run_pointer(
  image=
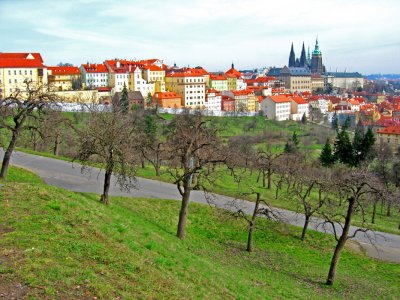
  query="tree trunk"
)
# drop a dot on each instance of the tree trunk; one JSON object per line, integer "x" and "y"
{"x": 263, "y": 179}
{"x": 269, "y": 178}
{"x": 373, "y": 213}
{"x": 56, "y": 144}
{"x": 388, "y": 212}
{"x": 142, "y": 162}
{"x": 342, "y": 241}
{"x": 106, "y": 186}
{"x": 252, "y": 224}
{"x": 306, "y": 222}
{"x": 184, "y": 211}
{"x": 7, "y": 155}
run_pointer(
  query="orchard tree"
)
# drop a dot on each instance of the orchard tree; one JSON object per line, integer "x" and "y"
{"x": 108, "y": 138}
{"x": 354, "y": 185}
{"x": 194, "y": 149}
{"x": 23, "y": 110}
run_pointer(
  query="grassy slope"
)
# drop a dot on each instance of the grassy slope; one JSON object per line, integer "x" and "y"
{"x": 68, "y": 245}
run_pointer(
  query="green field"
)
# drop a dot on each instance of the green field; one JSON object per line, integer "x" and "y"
{"x": 66, "y": 245}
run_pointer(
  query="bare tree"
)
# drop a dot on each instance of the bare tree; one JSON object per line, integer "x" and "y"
{"x": 310, "y": 179}
{"x": 108, "y": 138}
{"x": 192, "y": 147}
{"x": 265, "y": 164}
{"x": 19, "y": 109}
{"x": 354, "y": 185}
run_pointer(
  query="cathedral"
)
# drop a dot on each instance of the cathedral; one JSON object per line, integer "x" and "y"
{"x": 312, "y": 63}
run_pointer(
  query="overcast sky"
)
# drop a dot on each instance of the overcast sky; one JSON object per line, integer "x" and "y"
{"x": 358, "y": 35}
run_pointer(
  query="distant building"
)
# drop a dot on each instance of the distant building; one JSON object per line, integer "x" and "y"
{"x": 15, "y": 68}
{"x": 189, "y": 85}
{"x": 390, "y": 135}
{"x": 297, "y": 80}
{"x": 64, "y": 78}
{"x": 135, "y": 99}
{"x": 344, "y": 80}
{"x": 276, "y": 107}
{"x": 167, "y": 100}
{"x": 218, "y": 82}
{"x": 213, "y": 100}
{"x": 94, "y": 75}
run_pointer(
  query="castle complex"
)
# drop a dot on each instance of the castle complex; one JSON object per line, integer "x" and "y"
{"x": 312, "y": 63}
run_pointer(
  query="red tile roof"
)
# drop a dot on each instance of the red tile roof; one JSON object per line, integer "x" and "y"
{"x": 279, "y": 99}
{"x": 21, "y": 60}
{"x": 234, "y": 72}
{"x": 153, "y": 68}
{"x": 166, "y": 95}
{"x": 299, "y": 99}
{"x": 64, "y": 70}
{"x": 390, "y": 130}
{"x": 185, "y": 74}
{"x": 95, "y": 68}
{"x": 217, "y": 77}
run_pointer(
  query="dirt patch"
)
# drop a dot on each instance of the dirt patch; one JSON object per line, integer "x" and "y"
{"x": 355, "y": 247}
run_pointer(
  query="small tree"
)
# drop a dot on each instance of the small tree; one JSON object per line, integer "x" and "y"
{"x": 304, "y": 119}
{"x": 353, "y": 185}
{"x": 193, "y": 148}
{"x": 327, "y": 158}
{"x": 343, "y": 149}
{"x": 18, "y": 112}
{"x": 124, "y": 100}
{"x": 108, "y": 138}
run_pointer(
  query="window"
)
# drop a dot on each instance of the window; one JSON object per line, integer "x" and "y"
{"x": 15, "y": 72}
{"x": 30, "y": 72}
{"x": 9, "y": 72}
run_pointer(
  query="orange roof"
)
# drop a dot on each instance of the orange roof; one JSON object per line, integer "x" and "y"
{"x": 279, "y": 99}
{"x": 199, "y": 71}
{"x": 21, "y": 60}
{"x": 217, "y": 77}
{"x": 390, "y": 130}
{"x": 212, "y": 91}
{"x": 166, "y": 95}
{"x": 185, "y": 74}
{"x": 95, "y": 68}
{"x": 242, "y": 92}
{"x": 153, "y": 68}
{"x": 64, "y": 70}
{"x": 299, "y": 100}
{"x": 260, "y": 98}
{"x": 234, "y": 72}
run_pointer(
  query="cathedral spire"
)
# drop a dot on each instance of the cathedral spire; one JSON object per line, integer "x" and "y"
{"x": 233, "y": 66}
{"x": 292, "y": 57}
{"x": 303, "y": 61}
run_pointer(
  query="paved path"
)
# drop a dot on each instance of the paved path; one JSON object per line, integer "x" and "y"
{"x": 66, "y": 175}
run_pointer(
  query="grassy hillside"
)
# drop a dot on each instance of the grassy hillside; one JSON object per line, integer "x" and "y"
{"x": 65, "y": 245}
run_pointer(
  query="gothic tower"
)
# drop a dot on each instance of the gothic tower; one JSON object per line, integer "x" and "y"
{"x": 316, "y": 60}
{"x": 292, "y": 58}
{"x": 303, "y": 59}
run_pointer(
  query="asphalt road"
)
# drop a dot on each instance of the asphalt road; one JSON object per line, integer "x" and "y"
{"x": 383, "y": 246}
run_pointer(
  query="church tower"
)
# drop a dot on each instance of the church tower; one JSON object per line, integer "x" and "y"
{"x": 292, "y": 58}
{"x": 303, "y": 59}
{"x": 316, "y": 60}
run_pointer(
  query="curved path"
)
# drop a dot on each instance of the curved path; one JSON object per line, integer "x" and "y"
{"x": 68, "y": 175}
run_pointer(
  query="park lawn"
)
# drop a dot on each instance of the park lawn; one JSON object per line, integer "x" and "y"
{"x": 67, "y": 245}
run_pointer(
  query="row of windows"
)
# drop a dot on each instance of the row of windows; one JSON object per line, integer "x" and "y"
{"x": 97, "y": 80}
{"x": 20, "y": 72}
{"x": 196, "y": 103}
{"x": 194, "y": 97}
{"x": 97, "y": 75}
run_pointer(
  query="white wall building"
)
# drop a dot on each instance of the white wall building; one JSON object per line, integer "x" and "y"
{"x": 276, "y": 107}
{"x": 213, "y": 101}
{"x": 94, "y": 75}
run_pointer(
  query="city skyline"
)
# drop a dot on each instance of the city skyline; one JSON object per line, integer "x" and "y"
{"x": 357, "y": 36}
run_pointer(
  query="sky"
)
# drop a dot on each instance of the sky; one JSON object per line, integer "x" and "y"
{"x": 355, "y": 35}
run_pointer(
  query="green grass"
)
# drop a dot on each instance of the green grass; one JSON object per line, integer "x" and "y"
{"x": 67, "y": 245}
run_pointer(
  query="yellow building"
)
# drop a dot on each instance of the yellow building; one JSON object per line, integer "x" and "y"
{"x": 64, "y": 78}
{"x": 15, "y": 68}
{"x": 191, "y": 87}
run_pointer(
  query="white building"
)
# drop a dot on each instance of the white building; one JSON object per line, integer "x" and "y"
{"x": 320, "y": 104}
{"x": 94, "y": 75}
{"x": 213, "y": 101}
{"x": 240, "y": 84}
{"x": 138, "y": 83}
{"x": 276, "y": 107}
